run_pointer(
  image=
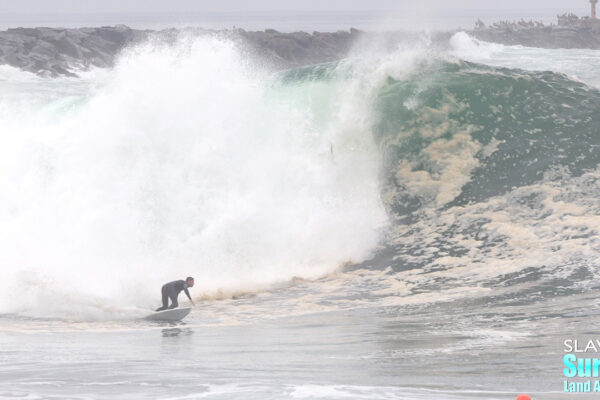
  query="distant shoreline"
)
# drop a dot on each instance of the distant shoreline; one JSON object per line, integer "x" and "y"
{"x": 571, "y": 32}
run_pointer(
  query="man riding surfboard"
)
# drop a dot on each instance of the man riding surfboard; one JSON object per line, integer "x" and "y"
{"x": 171, "y": 291}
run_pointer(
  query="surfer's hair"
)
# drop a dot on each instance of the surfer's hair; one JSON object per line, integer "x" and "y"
{"x": 189, "y": 278}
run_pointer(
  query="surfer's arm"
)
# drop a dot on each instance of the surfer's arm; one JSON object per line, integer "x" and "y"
{"x": 189, "y": 297}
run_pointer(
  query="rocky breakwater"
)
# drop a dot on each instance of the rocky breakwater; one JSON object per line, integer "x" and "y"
{"x": 56, "y": 51}
{"x": 62, "y": 52}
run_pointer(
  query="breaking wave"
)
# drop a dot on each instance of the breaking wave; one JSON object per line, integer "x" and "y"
{"x": 189, "y": 159}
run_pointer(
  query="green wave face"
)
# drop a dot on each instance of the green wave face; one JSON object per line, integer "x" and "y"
{"x": 486, "y": 168}
{"x": 489, "y": 129}
{"x": 520, "y": 124}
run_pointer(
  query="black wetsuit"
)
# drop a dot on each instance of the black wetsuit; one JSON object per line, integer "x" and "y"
{"x": 171, "y": 291}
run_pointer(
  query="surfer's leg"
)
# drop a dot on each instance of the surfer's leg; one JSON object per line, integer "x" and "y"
{"x": 165, "y": 300}
{"x": 174, "y": 303}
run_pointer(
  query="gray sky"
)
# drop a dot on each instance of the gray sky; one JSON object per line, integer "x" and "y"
{"x": 152, "y": 6}
{"x": 261, "y": 14}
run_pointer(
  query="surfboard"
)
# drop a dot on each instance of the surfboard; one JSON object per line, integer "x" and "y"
{"x": 172, "y": 315}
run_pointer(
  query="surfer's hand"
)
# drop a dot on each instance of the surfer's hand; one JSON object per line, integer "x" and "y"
{"x": 192, "y": 301}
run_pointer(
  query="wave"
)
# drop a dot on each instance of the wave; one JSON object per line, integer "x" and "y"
{"x": 184, "y": 160}
{"x": 459, "y": 132}
{"x": 577, "y": 64}
{"x": 437, "y": 174}
{"x": 490, "y": 175}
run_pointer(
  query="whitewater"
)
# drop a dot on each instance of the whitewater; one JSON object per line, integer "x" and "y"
{"x": 405, "y": 223}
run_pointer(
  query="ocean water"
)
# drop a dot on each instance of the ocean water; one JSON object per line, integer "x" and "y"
{"x": 400, "y": 225}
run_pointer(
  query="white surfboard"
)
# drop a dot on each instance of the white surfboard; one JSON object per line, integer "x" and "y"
{"x": 172, "y": 315}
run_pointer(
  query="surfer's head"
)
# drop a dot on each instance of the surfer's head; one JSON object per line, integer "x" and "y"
{"x": 190, "y": 281}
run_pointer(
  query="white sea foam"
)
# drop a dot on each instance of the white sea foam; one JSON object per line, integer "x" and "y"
{"x": 578, "y": 64}
{"x": 185, "y": 160}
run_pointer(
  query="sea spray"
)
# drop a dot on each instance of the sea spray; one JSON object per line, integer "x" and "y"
{"x": 185, "y": 160}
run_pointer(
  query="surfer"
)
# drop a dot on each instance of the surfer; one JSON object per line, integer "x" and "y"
{"x": 171, "y": 291}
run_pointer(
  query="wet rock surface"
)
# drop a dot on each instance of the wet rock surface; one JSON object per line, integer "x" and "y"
{"x": 56, "y": 51}
{"x": 61, "y": 52}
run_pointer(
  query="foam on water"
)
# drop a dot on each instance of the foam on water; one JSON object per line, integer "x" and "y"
{"x": 578, "y": 64}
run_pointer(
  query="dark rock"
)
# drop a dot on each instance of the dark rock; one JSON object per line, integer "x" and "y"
{"x": 56, "y": 51}
{"x": 60, "y": 52}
